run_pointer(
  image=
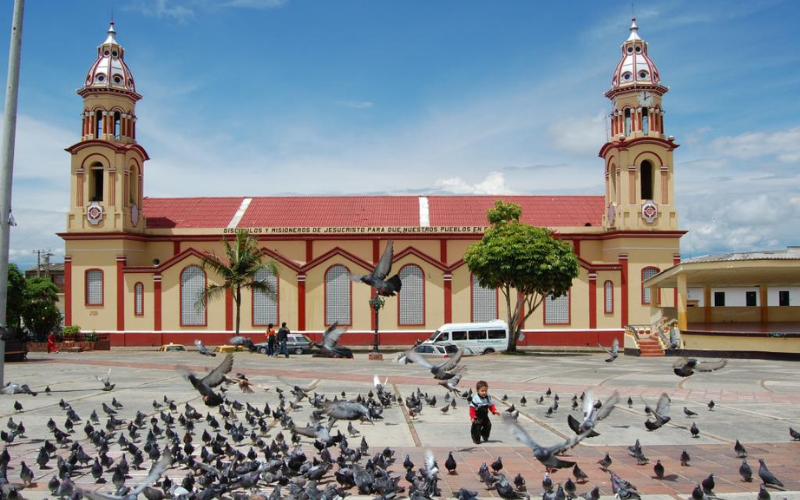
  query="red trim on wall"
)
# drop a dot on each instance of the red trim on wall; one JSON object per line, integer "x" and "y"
{"x": 309, "y": 250}
{"x": 605, "y": 296}
{"x": 623, "y": 261}
{"x": 120, "y": 294}
{"x": 180, "y": 297}
{"x": 176, "y": 247}
{"x": 325, "y": 298}
{"x": 228, "y": 309}
{"x": 422, "y": 272}
{"x": 676, "y": 259}
{"x": 86, "y": 288}
{"x": 68, "y": 290}
{"x": 448, "y": 298}
{"x": 576, "y": 246}
{"x": 138, "y": 285}
{"x": 301, "y": 302}
{"x": 443, "y": 251}
{"x": 592, "y": 300}
{"x": 157, "y": 302}
{"x": 376, "y": 251}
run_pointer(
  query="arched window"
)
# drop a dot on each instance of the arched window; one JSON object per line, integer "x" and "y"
{"x": 647, "y": 272}
{"x": 117, "y": 129}
{"x": 133, "y": 185}
{"x": 608, "y": 288}
{"x": 94, "y": 287}
{"x": 484, "y": 302}
{"x": 646, "y": 177}
{"x": 193, "y": 285}
{"x": 138, "y": 299}
{"x": 96, "y": 182}
{"x": 556, "y": 311}
{"x": 265, "y": 304}
{"x": 98, "y": 124}
{"x": 337, "y": 295}
{"x": 627, "y": 122}
{"x": 412, "y": 296}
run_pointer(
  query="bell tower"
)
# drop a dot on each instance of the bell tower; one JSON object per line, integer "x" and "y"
{"x": 107, "y": 165}
{"x": 639, "y": 169}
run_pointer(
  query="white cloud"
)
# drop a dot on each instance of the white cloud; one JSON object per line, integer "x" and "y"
{"x": 782, "y": 144}
{"x": 494, "y": 183}
{"x": 185, "y": 10}
{"x": 579, "y": 134}
{"x": 354, "y": 104}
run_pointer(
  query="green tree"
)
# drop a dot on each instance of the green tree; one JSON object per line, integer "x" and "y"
{"x": 15, "y": 298}
{"x": 521, "y": 261}
{"x": 243, "y": 260}
{"x": 40, "y": 313}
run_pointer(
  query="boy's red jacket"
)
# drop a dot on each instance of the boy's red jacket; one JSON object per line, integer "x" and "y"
{"x": 476, "y": 401}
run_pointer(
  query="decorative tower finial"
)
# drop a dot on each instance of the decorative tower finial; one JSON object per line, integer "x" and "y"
{"x": 634, "y": 31}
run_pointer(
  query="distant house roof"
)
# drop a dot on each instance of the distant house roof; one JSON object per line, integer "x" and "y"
{"x": 54, "y": 267}
{"x": 364, "y": 211}
{"x": 791, "y": 253}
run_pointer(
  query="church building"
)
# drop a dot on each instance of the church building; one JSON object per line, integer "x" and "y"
{"x": 133, "y": 263}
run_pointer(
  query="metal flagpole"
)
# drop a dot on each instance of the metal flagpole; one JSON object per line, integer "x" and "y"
{"x": 7, "y": 165}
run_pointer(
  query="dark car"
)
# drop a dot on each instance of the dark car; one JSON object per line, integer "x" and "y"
{"x": 296, "y": 343}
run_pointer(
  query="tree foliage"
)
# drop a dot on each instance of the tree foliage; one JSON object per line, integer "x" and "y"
{"x": 15, "y": 298}
{"x": 40, "y": 313}
{"x": 243, "y": 260}
{"x": 522, "y": 261}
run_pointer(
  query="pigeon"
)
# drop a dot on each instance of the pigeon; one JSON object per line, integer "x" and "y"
{"x": 605, "y": 462}
{"x": 547, "y": 456}
{"x": 241, "y": 341}
{"x": 17, "y": 406}
{"x": 328, "y": 346}
{"x": 442, "y": 371}
{"x": 685, "y": 458}
{"x": 377, "y": 278}
{"x": 740, "y": 450}
{"x": 708, "y": 484}
{"x": 658, "y": 468}
{"x": 523, "y": 401}
{"x": 214, "y": 378}
{"x": 202, "y": 349}
{"x": 580, "y": 476}
{"x": 107, "y": 385}
{"x": 711, "y": 405}
{"x": 694, "y": 430}
{"x": 795, "y": 435}
{"x": 346, "y": 410}
{"x": 686, "y": 367}
{"x": 630, "y": 402}
{"x": 699, "y": 494}
{"x": 746, "y": 472}
{"x": 660, "y": 413}
{"x": 613, "y": 352}
{"x": 569, "y": 488}
{"x": 155, "y": 473}
{"x": 766, "y": 476}
{"x": 763, "y": 493}
{"x": 450, "y": 463}
{"x": 640, "y": 458}
{"x": 593, "y": 494}
{"x": 688, "y": 412}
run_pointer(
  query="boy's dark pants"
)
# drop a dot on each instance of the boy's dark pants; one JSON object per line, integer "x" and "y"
{"x": 481, "y": 426}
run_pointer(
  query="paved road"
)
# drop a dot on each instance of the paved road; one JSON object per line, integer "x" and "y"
{"x": 756, "y": 402}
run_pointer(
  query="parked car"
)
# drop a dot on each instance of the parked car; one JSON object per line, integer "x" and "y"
{"x": 296, "y": 343}
{"x": 171, "y": 348}
{"x": 439, "y": 350}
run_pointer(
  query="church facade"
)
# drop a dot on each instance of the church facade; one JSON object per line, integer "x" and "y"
{"x": 133, "y": 263}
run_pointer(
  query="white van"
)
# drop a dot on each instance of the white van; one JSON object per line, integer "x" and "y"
{"x": 479, "y": 338}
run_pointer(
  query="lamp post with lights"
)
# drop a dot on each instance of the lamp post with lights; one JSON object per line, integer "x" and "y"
{"x": 376, "y": 303}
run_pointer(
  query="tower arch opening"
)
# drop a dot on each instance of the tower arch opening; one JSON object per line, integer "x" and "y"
{"x": 96, "y": 172}
{"x": 98, "y": 123}
{"x": 646, "y": 180}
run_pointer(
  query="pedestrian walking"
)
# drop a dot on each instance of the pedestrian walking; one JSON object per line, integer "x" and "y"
{"x": 51, "y": 343}
{"x": 283, "y": 336}
{"x": 270, "y": 340}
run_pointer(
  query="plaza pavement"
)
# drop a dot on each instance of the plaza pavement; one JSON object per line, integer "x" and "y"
{"x": 756, "y": 402}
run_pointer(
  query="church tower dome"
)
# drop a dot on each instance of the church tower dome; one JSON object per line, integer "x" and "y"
{"x": 635, "y": 67}
{"x": 109, "y": 71}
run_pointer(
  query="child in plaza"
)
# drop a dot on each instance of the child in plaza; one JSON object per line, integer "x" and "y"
{"x": 479, "y": 407}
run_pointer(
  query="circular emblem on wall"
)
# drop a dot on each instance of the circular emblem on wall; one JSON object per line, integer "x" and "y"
{"x": 94, "y": 213}
{"x": 134, "y": 214}
{"x": 649, "y": 211}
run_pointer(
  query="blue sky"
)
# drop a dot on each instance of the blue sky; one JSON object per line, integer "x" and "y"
{"x": 277, "y": 97}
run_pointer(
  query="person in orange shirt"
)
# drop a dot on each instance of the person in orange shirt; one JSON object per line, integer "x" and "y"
{"x": 270, "y": 340}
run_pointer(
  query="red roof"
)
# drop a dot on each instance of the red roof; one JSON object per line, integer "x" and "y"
{"x": 546, "y": 211}
{"x": 366, "y": 211}
{"x": 189, "y": 212}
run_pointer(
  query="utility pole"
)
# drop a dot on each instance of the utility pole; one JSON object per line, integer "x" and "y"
{"x": 47, "y": 254}
{"x": 7, "y": 165}
{"x": 38, "y": 263}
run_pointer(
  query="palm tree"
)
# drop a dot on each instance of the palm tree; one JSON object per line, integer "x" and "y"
{"x": 243, "y": 260}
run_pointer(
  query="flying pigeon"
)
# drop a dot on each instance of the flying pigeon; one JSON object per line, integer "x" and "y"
{"x": 547, "y": 456}
{"x": 107, "y": 385}
{"x": 686, "y": 367}
{"x": 377, "y": 278}
{"x": 613, "y": 352}
{"x": 202, "y": 349}
{"x": 214, "y": 378}
{"x": 328, "y": 346}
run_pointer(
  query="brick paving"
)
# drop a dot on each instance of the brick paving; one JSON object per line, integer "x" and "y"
{"x": 756, "y": 403}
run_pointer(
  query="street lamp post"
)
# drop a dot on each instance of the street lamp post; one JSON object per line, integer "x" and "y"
{"x": 376, "y": 303}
